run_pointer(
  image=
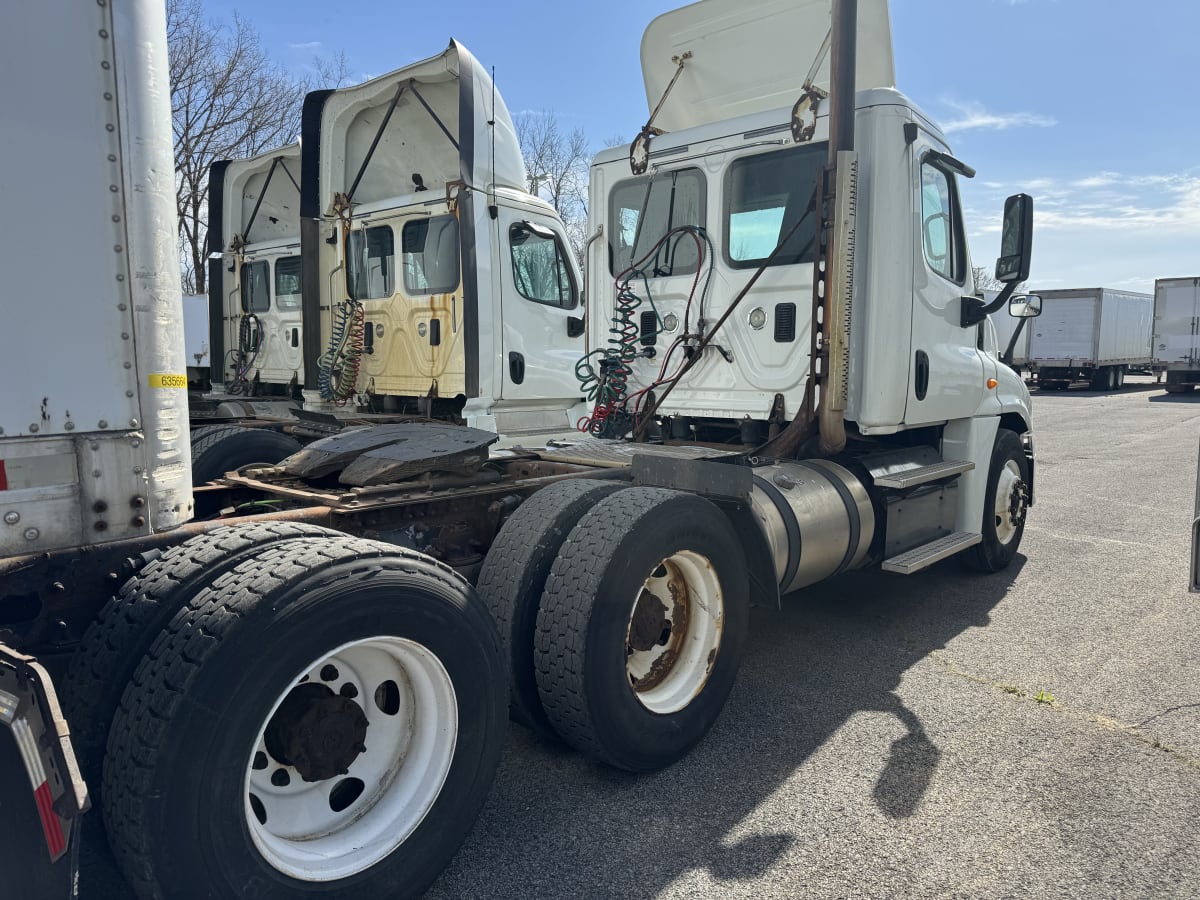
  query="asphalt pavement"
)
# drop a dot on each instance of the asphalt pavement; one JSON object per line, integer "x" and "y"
{"x": 1035, "y": 733}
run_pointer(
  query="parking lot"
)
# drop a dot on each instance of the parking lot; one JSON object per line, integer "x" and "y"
{"x": 1032, "y": 733}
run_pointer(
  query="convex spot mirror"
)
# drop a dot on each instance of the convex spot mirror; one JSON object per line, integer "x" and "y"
{"x": 1016, "y": 239}
{"x": 1025, "y": 306}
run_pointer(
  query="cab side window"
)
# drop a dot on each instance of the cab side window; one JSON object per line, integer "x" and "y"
{"x": 371, "y": 263}
{"x": 540, "y": 268}
{"x": 430, "y": 255}
{"x": 287, "y": 282}
{"x": 941, "y": 224}
{"x": 256, "y": 287}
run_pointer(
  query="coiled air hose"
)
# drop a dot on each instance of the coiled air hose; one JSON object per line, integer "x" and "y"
{"x": 337, "y": 369}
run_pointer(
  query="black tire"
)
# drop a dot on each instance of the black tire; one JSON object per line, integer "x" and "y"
{"x": 1101, "y": 379}
{"x": 128, "y": 623}
{"x": 514, "y": 575}
{"x": 175, "y": 799}
{"x": 1120, "y": 378}
{"x": 584, "y": 619}
{"x": 991, "y": 554}
{"x": 217, "y": 449}
{"x": 1179, "y": 388}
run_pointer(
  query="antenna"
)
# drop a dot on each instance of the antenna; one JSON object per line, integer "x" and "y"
{"x": 492, "y": 124}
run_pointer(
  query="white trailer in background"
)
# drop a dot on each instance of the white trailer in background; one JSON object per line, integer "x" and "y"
{"x": 1176, "y": 341}
{"x": 1090, "y": 334}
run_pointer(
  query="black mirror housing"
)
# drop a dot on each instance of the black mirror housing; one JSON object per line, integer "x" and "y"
{"x": 1016, "y": 242}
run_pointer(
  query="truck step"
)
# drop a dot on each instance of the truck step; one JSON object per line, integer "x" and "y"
{"x": 927, "y": 554}
{"x": 925, "y": 474}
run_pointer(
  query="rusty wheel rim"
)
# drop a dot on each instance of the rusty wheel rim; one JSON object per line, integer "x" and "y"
{"x": 674, "y": 632}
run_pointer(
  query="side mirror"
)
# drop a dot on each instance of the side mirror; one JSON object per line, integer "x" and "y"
{"x": 1016, "y": 241}
{"x": 1025, "y": 306}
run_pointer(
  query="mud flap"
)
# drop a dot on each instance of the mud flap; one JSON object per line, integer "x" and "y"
{"x": 42, "y": 795}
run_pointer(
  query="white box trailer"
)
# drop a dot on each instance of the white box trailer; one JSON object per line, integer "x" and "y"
{"x": 1176, "y": 341}
{"x": 1090, "y": 334}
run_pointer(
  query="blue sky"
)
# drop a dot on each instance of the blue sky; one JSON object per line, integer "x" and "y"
{"x": 1089, "y": 106}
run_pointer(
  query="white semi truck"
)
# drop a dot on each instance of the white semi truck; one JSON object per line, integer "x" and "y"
{"x": 788, "y": 380}
{"x": 1091, "y": 334}
{"x": 1176, "y": 343}
{"x": 386, "y": 303}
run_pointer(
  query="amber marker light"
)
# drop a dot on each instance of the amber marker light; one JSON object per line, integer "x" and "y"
{"x": 991, "y": 383}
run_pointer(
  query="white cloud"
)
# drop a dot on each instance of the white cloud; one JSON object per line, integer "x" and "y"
{"x": 972, "y": 115}
{"x": 306, "y": 45}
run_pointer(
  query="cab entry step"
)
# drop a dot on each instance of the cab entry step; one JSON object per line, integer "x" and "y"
{"x": 908, "y": 478}
{"x": 927, "y": 554}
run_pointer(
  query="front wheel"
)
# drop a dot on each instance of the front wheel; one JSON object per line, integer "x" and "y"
{"x": 1005, "y": 504}
{"x": 324, "y": 720}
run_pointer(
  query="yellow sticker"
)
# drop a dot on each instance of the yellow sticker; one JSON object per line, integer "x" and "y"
{"x": 168, "y": 381}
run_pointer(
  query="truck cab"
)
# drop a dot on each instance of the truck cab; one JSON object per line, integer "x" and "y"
{"x": 441, "y": 286}
{"x": 255, "y": 293}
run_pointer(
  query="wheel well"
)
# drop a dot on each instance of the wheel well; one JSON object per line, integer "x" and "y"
{"x": 1014, "y": 422}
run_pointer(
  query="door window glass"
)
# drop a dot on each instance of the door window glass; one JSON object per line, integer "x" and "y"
{"x": 256, "y": 287}
{"x": 765, "y": 197}
{"x": 540, "y": 268}
{"x": 643, "y": 210}
{"x": 287, "y": 282}
{"x": 371, "y": 263}
{"x": 430, "y": 248}
{"x": 941, "y": 224}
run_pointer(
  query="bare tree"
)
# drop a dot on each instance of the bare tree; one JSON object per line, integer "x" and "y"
{"x": 984, "y": 281}
{"x": 557, "y": 163}
{"x": 228, "y": 100}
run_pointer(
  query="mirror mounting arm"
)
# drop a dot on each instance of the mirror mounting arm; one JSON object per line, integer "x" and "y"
{"x": 975, "y": 311}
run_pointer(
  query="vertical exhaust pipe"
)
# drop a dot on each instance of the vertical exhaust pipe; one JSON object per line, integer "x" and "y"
{"x": 840, "y": 256}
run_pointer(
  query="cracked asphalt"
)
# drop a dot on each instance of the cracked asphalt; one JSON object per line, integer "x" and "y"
{"x": 1034, "y": 733}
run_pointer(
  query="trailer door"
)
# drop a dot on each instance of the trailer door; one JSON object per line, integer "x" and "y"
{"x": 1177, "y": 321}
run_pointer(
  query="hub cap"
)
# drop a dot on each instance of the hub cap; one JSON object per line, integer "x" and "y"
{"x": 1011, "y": 502}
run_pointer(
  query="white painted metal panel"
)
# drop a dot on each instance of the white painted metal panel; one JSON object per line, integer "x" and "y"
{"x": 1176, "y": 307}
{"x": 1066, "y": 329}
{"x": 1126, "y": 320}
{"x": 747, "y": 58}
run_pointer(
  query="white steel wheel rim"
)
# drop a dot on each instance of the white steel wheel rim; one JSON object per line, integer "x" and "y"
{"x": 1009, "y": 481}
{"x": 674, "y": 632}
{"x": 408, "y": 750}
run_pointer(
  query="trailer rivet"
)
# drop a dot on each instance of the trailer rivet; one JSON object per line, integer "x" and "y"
{"x": 100, "y": 506}
{"x": 103, "y": 33}
{"x": 95, "y": 473}
{"x": 112, "y": 158}
{"x": 133, "y": 423}
{"x": 107, "y": 95}
{"x": 137, "y": 502}
{"x": 129, "y": 365}
{"x": 103, "y": 423}
{"x": 137, "y": 470}
{"x": 121, "y": 306}
{"x": 101, "y": 526}
{"x": 33, "y": 429}
{"x": 120, "y": 278}
{"x": 32, "y": 534}
{"x": 137, "y": 521}
{"x": 12, "y": 517}
{"x": 104, "y": 64}
{"x": 117, "y": 248}
{"x": 93, "y": 445}
{"x": 70, "y": 426}
{"x": 129, "y": 393}
{"x": 124, "y": 335}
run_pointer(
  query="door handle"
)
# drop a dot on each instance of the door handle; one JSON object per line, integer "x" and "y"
{"x": 574, "y": 326}
{"x": 516, "y": 367}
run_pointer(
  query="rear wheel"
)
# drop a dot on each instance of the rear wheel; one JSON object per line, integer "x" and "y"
{"x": 1006, "y": 501}
{"x": 1120, "y": 378}
{"x": 326, "y": 722}
{"x": 514, "y": 576}
{"x": 642, "y": 627}
{"x": 217, "y": 449}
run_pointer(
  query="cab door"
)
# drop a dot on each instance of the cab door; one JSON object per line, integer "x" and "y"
{"x": 946, "y": 371}
{"x": 541, "y": 317}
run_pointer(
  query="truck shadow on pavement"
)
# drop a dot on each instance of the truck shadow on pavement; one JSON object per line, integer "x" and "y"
{"x": 558, "y": 825}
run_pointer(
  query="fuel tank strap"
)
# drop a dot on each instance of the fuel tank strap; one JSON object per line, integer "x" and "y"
{"x": 790, "y": 526}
